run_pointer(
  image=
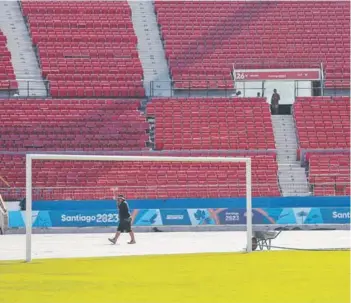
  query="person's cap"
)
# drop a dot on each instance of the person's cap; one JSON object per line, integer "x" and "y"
{"x": 121, "y": 197}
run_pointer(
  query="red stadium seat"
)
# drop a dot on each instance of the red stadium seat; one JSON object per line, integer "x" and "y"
{"x": 81, "y": 44}
{"x": 7, "y": 75}
{"x": 329, "y": 174}
{"x": 203, "y": 39}
{"x": 138, "y": 180}
{"x": 212, "y": 123}
{"x": 323, "y": 122}
{"x": 73, "y": 125}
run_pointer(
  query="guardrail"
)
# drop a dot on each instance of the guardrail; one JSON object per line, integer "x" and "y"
{"x": 227, "y": 88}
{"x": 328, "y": 188}
{"x": 24, "y": 88}
{"x": 184, "y": 88}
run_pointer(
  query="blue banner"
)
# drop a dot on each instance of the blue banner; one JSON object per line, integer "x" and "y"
{"x": 335, "y": 215}
{"x": 196, "y": 216}
{"x": 193, "y": 203}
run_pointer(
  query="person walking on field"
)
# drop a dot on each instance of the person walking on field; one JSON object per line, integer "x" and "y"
{"x": 275, "y": 102}
{"x": 125, "y": 221}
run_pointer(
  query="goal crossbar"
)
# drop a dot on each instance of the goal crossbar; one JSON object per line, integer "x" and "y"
{"x": 65, "y": 157}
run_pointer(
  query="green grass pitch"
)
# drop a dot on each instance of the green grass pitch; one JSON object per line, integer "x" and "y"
{"x": 262, "y": 277}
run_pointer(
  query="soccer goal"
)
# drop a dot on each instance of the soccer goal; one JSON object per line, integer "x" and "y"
{"x": 3, "y": 216}
{"x": 245, "y": 164}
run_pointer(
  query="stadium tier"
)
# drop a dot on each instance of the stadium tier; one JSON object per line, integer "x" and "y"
{"x": 7, "y": 76}
{"x": 55, "y": 180}
{"x": 203, "y": 39}
{"x": 205, "y": 123}
{"x": 72, "y": 125}
{"x": 86, "y": 49}
{"x": 323, "y": 122}
{"x": 329, "y": 174}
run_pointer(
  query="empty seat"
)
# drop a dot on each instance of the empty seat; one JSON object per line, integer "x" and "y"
{"x": 75, "y": 180}
{"x": 86, "y": 50}
{"x": 329, "y": 174}
{"x": 72, "y": 125}
{"x": 322, "y": 122}
{"x": 7, "y": 75}
{"x": 204, "y": 38}
{"x": 212, "y": 124}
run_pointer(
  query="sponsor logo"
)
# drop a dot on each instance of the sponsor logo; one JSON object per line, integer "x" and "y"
{"x": 78, "y": 218}
{"x": 174, "y": 217}
{"x": 337, "y": 215}
{"x": 99, "y": 218}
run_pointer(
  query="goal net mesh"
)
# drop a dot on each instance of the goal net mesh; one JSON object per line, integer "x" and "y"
{"x": 93, "y": 180}
{"x": 60, "y": 180}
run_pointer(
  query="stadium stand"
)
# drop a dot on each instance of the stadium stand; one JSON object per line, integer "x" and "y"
{"x": 85, "y": 49}
{"x": 329, "y": 174}
{"x": 93, "y": 180}
{"x": 7, "y": 75}
{"x": 72, "y": 125}
{"x": 203, "y": 39}
{"x": 323, "y": 122}
{"x": 217, "y": 123}
{"x": 111, "y": 125}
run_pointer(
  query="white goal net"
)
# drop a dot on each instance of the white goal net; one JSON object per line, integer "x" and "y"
{"x": 51, "y": 177}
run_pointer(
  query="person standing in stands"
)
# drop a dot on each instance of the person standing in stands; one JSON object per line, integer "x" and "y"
{"x": 125, "y": 221}
{"x": 275, "y": 102}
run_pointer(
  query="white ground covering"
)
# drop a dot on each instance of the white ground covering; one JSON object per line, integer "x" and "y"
{"x": 12, "y": 247}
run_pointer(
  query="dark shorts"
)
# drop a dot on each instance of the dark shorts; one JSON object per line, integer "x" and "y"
{"x": 125, "y": 225}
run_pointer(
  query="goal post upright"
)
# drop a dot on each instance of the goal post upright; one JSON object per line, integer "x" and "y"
{"x": 28, "y": 206}
{"x": 65, "y": 157}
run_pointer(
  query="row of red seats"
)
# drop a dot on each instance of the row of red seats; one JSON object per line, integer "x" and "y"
{"x": 97, "y": 83}
{"x": 87, "y": 77}
{"x": 41, "y": 38}
{"x": 103, "y": 193}
{"x": 64, "y": 104}
{"x": 141, "y": 179}
{"x": 78, "y": 53}
{"x": 91, "y": 92}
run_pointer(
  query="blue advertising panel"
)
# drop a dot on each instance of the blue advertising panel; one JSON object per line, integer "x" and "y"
{"x": 196, "y": 216}
{"x": 193, "y": 203}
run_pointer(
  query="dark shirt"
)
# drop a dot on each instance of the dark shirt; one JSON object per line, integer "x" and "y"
{"x": 123, "y": 211}
{"x": 275, "y": 99}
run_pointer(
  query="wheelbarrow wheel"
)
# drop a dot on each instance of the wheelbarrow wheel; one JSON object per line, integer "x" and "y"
{"x": 254, "y": 243}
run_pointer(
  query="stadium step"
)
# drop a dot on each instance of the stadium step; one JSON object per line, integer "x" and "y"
{"x": 157, "y": 81}
{"x": 292, "y": 177}
{"x": 23, "y": 57}
{"x": 151, "y": 132}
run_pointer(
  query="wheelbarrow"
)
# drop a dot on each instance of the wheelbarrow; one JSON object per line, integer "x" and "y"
{"x": 263, "y": 239}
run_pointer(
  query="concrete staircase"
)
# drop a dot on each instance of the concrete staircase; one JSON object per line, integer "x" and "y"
{"x": 292, "y": 177}
{"x": 23, "y": 57}
{"x": 150, "y": 47}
